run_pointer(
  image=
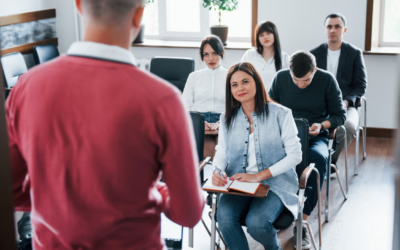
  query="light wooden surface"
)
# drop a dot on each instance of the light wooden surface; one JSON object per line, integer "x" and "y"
{"x": 27, "y": 17}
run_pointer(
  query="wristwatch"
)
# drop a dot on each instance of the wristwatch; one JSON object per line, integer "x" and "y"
{"x": 322, "y": 126}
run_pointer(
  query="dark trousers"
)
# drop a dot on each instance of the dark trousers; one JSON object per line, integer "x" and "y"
{"x": 318, "y": 154}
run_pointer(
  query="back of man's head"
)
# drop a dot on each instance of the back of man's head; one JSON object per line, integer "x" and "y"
{"x": 110, "y": 12}
{"x": 302, "y": 62}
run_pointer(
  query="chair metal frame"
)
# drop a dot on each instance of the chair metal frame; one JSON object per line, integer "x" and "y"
{"x": 360, "y": 103}
{"x": 332, "y": 141}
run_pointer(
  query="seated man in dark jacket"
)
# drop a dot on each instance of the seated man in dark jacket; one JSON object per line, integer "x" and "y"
{"x": 346, "y": 63}
{"x": 312, "y": 94}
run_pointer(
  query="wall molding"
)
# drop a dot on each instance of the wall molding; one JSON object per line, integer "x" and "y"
{"x": 28, "y": 48}
{"x": 27, "y": 17}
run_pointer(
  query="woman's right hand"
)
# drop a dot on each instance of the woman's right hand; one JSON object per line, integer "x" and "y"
{"x": 217, "y": 179}
{"x": 207, "y": 126}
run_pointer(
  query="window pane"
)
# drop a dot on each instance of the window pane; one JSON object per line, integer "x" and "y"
{"x": 391, "y": 31}
{"x": 239, "y": 20}
{"x": 183, "y": 15}
{"x": 150, "y": 19}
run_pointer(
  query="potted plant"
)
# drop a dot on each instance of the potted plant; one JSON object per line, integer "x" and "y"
{"x": 140, "y": 36}
{"x": 221, "y": 5}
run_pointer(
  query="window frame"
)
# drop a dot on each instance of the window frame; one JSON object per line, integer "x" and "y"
{"x": 163, "y": 34}
{"x": 382, "y": 43}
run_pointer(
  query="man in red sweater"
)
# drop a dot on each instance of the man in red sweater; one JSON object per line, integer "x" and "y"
{"x": 91, "y": 134}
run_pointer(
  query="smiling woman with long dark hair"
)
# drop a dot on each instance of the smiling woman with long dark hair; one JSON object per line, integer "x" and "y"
{"x": 258, "y": 138}
{"x": 267, "y": 57}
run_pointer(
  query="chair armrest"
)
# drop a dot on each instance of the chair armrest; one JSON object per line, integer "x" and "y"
{"x": 204, "y": 163}
{"x": 7, "y": 89}
{"x": 305, "y": 175}
{"x": 332, "y": 133}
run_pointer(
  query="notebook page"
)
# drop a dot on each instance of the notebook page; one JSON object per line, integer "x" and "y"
{"x": 245, "y": 187}
{"x": 209, "y": 185}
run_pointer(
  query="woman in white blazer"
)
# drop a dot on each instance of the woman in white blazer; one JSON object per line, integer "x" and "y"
{"x": 205, "y": 89}
{"x": 267, "y": 57}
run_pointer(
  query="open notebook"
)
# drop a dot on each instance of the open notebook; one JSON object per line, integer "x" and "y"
{"x": 245, "y": 187}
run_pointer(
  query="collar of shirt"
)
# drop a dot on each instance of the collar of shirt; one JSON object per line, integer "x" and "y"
{"x": 102, "y": 51}
{"x": 214, "y": 71}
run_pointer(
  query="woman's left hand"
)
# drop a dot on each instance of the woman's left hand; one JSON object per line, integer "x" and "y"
{"x": 245, "y": 177}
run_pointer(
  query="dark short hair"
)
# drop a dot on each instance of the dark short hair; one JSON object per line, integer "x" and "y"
{"x": 215, "y": 43}
{"x": 334, "y": 15}
{"x": 302, "y": 62}
{"x": 261, "y": 98}
{"x": 110, "y": 11}
{"x": 268, "y": 26}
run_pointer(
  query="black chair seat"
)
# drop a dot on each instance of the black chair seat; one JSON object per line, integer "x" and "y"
{"x": 284, "y": 220}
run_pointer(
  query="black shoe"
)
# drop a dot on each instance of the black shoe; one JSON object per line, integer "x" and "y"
{"x": 333, "y": 171}
{"x": 25, "y": 232}
{"x": 306, "y": 238}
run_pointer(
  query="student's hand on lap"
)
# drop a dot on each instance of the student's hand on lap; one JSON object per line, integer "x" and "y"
{"x": 217, "y": 179}
{"x": 245, "y": 177}
{"x": 315, "y": 129}
{"x": 215, "y": 126}
{"x": 207, "y": 126}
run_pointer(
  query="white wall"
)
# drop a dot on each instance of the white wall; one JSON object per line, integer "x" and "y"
{"x": 300, "y": 26}
{"x": 20, "y": 6}
{"x": 301, "y": 23}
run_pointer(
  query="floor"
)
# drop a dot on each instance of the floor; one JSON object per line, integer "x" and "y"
{"x": 364, "y": 221}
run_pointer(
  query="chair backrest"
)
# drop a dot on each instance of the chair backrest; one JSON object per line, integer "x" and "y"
{"x": 13, "y": 66}
{"x": 175, "y": 70}
{"x": 303, "y": 134}
{"x": 285, "y": 219}
{"x": 198, "y": 127}
{"x": 45, "y": 52}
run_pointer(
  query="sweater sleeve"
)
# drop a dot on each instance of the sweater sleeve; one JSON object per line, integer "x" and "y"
{"x": 292, "y": 146}
{"x": 20, "y": 180}
{"x": 359, "y": 79}
{"x": 336, "y": 110}
{"x": 188, "y": 92}
{"x": 183, "y": 203}
{"x": 273, "y": 90}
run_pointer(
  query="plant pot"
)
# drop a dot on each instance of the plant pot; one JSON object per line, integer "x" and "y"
{"x": 221, "y": 32}
{"x": 140, "y": 35}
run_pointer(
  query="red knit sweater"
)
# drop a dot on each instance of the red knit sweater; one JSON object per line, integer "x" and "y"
{"x": 89, "y": 139}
